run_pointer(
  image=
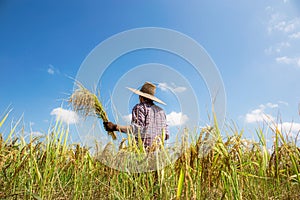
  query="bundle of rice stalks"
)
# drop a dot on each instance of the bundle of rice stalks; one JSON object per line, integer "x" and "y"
{"x": 86, "y": 103}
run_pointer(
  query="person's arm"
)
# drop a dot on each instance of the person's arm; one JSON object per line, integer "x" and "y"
{"x": 136, "y": 122}
{"x": 109, "y": 126}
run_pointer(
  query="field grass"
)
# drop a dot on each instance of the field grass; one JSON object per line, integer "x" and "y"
{"x": 50, "y": 168}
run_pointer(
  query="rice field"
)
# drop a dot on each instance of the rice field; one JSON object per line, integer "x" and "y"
{"x": 50, "y": 168}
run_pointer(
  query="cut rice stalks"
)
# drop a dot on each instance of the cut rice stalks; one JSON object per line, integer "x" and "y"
{"x": 86, "y": 103}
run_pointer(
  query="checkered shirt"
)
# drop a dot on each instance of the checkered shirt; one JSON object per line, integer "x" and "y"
{"x": 148, "y": 120}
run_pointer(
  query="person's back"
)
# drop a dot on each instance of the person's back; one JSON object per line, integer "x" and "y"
{"x": 148, "y": 120}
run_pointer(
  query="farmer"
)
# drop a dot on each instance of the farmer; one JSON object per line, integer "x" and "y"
{"x": 148, "y": 119}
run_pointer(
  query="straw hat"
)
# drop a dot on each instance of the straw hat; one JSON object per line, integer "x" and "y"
{"x": 148, "y": 91}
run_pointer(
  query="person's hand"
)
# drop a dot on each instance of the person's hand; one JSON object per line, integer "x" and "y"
{"x": 109, "y": 126}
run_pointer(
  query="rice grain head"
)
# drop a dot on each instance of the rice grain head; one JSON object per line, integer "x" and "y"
{"x": 86, "y": 103}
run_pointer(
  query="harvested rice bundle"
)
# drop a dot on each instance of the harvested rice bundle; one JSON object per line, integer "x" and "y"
{"x": 86, "y": 103}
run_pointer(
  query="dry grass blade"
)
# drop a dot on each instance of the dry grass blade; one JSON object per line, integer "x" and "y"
{"x": 86, "y": 103}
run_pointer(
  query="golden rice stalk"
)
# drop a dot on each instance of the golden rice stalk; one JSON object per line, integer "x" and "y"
{"x": 86, "y": 103}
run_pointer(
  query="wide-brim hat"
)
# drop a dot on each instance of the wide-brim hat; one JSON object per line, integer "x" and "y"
{"x": 148, "y": 91}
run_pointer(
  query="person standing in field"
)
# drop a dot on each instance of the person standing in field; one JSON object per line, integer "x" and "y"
{"x": 148, "y": 120}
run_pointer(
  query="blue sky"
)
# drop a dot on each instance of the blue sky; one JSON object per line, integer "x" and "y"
{"x": 254, "y": 44}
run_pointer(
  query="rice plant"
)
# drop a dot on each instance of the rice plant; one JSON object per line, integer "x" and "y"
{"x": 232, "y": 168}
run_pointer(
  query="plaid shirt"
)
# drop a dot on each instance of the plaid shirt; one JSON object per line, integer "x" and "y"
{"x": 148, "y": 120}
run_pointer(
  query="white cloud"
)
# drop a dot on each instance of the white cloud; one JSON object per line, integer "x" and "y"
{"x": 277, "y": 48}
{"x": 259, "y": 115}
{"x": 66, "y": 116}
{"x": 285, "y": 26}
{"x": 284, "y": 103}
{"x": 52, "y": 70}
{"x": 284, "y": 60}
{"x": 284, "y": 44}
{"x": 288, "y": 60}
{"x": 127, "y": 118}
{"x": 295, "y": 35}
{"x": 290, "y": 129}
{"x": 269, "y": 50}
{"x": 36, "y": 134}
{"x": 179, "y": 89}
{"x": 172, "y": 87}
{"x": 279, "y": 22}
{"x": 269, "y": 8}
{"x": 274, "y": 18}
{"x": 176, "y": 118}
{"x": 163, "y": 86}
{"x": 287, "y": 127}
{"x": 272, "y": 105}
